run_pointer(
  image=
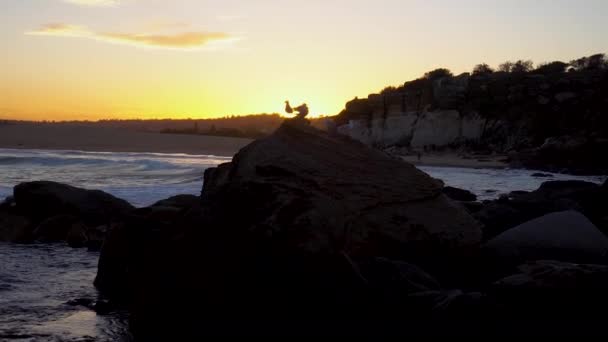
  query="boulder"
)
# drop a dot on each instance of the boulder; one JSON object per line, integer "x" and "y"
{"x": 7, "y": 204}
{"x": 44, "y": 199}
{"x": 77, "y": 235}
{"x": 179, "y": 201}
{"x": 552, "y": 298}
{"x": 315, "y": 192}
{"x": 14, "y": 228}
{"x": 54, "y": 228}
{"x": 396, "y": 278}
{"x": 278, "y": 228}
{"x": 565, "y": 236}
{"x": 552, "y": 196}
{"x": 95, "y": 237}
{"x": 552, "y": 274}
{"x": 459, "y": 194}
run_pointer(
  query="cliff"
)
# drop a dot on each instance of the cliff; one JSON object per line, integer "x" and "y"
{"x": 530, "y": 113}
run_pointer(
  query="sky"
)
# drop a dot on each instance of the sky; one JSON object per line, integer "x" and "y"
{"x": 96, "y": 59}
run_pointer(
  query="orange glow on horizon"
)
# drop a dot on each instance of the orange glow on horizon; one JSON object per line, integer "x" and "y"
{"x": 119, "y": 59}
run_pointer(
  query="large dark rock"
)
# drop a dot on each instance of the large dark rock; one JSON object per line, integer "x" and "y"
{"x": 7, "y": 204}
{"x": 179, "y": 201}
{"x": 14, "y": 228}
{"x": 44, "y": 199}
{"x": 55, "y": 228}
{"x": 566, "y": 236}
{"x": 319, "y": 193}
{"x": 275, "y": 237}
{"x": 553, "y": 196}
{"x": 552, "y": 298}
{"x": 459, "y": 194}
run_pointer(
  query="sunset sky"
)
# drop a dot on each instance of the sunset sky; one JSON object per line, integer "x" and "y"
{"x": 92, "y": 59}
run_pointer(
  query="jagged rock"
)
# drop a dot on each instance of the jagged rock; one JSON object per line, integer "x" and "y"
{"x": 54, "y": 228}
{"x": 552, "y": 274}
{"x": 397, "y": 278}
{"x": 277, "y": 228}
{"x": 77, "y": 235}
{"x": 317, "y": 192}
{"x": 7, "y": 204}
{"x": 303, "y": 200}
{"x": 566, "y": 236}
{"x": 553, "y": 298}
{"x": 459, "y": 194}
{"x": 14, "y": 228}
{"x": 179, "y": 201}
{"x": 44, "y": 199}
{"x": 552, "y": 196}
{"x": 95, "y": 237}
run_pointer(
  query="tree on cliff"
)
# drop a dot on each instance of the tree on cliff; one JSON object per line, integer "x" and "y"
{"x": 555, "y": 67}
{"x": 438, "y": 73}
{"x": 482, "y": 69}
{"x": 522, "y": 66}
{"x": 506, "y": 66}
{"x": 593, "y": 62}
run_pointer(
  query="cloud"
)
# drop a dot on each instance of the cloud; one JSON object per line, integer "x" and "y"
{"x": 61, "y": 29}
{"x": 94, "y": 2}
{"x": 184, "y": 40}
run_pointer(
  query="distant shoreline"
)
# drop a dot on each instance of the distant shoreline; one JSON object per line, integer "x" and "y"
{"x": 99, "y": 139}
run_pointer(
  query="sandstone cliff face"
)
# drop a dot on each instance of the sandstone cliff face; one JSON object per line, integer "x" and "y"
{"x": 417, "y": 130}
{"x": 507, "y": 112}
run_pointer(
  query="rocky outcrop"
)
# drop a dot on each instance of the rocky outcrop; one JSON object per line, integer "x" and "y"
{"x": 416, "y": 129}
{"x": 459, "y": 194}
{"x": 552, "y": 196}
{"x": 179, "y": 201}
{"x": 534, "y": 116}
{"x": 320, "y": 234}
{"x": 53, "y": 212}
{"x": 287, "y": 226}
{"x": 14, "y": 228}
{"x": 566, "y": 236}
{"x": 45, "y": 199}
{"x": 325, "y": 193}
{"x": 552, "y": 298}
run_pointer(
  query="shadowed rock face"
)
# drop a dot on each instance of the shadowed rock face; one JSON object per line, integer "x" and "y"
{"x": 319, "y": 193}
{"x": 279, "y": 234}
{"x": 45, "y": 199}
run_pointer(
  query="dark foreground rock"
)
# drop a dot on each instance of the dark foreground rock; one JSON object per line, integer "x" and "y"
{"x": 307, "y": 234}
{"x": 552, "y": 298}
{"x": 565, "y": 236}
{"x": 319, "y": 193}
{"x": 284, "y": 234}
{"x": 52, "y": 212}
{"x": 45, "y": 199}
{"x": 459, "y": 194}
{"x": 518, "y": 207}
{"x": 14, "y": 228}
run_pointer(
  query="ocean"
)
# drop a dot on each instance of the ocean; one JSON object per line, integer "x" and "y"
{"x": 144, "y": 178}
{"x": 38, "y": 282}
{"x": 140, "y": 178}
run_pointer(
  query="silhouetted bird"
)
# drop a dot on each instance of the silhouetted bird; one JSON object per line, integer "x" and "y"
{"x": 302, "y": 109}
{"x": 288, "y": 108}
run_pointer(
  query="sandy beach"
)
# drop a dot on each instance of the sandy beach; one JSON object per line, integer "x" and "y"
{"x": 87, "y": 138}
{"x": 456, "y": 160}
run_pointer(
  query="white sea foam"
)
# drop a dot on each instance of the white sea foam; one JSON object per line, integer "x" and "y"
{"x": 144, "y": 178}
